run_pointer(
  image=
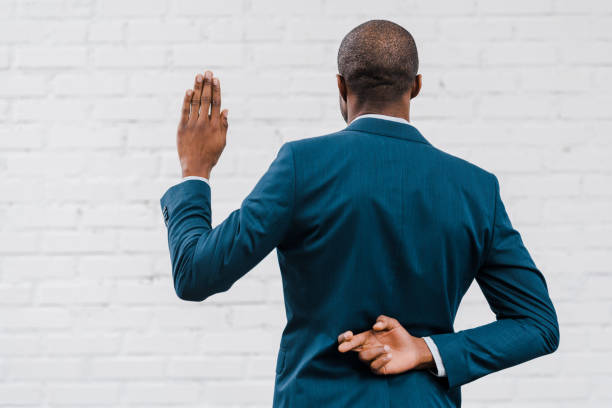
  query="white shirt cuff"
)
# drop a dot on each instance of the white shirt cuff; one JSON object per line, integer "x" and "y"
{"x": 196, "y": 178}
{"x": 436, "y": 356}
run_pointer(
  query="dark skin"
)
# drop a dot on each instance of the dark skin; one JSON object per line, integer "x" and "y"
{"x": 351, "y": 106}
{"x": 387, "y": 348}
{"x": 202, "y": 129}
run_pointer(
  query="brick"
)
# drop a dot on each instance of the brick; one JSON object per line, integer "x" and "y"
{"x": 22, "y": 137}
{"x": 546, "y": 389}
{"x": 162, "y": 393}
{"x": 51, "y": 57}
{"x": 83, "y": 393}
{"x": 97, "y": 266}
{"x": 4, "y": 58}
{"x": 50, "y": 110}
{"x": 20, "y": 393}
{"x": 40, "y": 318}
{"x": 153, "y": 32}
{"x": 591, "y": 53}
{"x": 129, "y": 109}
{"x": 108, "y": 31}
{"x": 275, "y": 7}
{"x": 20, "y": 242}
{"x": 82, "y": 344}
{"x": 519, "y": 54}
{"x": 42, "y": 368}
{"x": 438, "y": 55}
{"x": 518, "y": 107}
{"x": 211, "y": 368}
{"x": 572, "y": 7}
{"x": 515, "y": 7}
{"x": 273, "y": 30}
{"x": 79, "y": 136}
{"x": 466, "y": 29}
{"x": 54, "y": 8}
{"x": 283, "y": 55}
{"x": 127, "y": 368}
{"x": 208, "y": 55}
{"x": 105, "y": 318}
{"x": 136, "y": 8}
{"x": 249, "y": 392}
{"x": 72, "y": 242}
{"x": 15, "y": 345}
{"x": 81, "y": 84}
{"x": 13, "y": 294}
{"x": 17, "y": 85}
{"x": 108, "y": 56}
{"x": 80, "y": 293}
{"x": 172, "y": 344}
{"x": 553, "y": 28}
{"x": 52, "y": 216}
{"x": 24, "y": 268}
{"x": 195, "y": 8}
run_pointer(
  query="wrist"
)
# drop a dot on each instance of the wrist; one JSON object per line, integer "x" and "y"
{"x": 199, "y": 172}
{"x": 425, "y": 358}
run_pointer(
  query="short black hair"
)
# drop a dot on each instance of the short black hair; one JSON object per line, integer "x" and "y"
{"x": 378, "y": 60}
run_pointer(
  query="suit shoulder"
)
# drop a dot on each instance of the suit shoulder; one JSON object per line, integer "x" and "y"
{"x": 313, "y": 141}
{"x": 462, "y": 165}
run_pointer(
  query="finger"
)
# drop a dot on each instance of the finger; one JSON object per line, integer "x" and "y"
{"x": 356, "y": 341}
{"x": 216, "y": 99}
{"x": 378, "y": 364}
{"x": 206, "y": 96}
{"x": 186, "y": 108}
{"x": 347, "y": 335}
{"x": 224, "y": 118}
{"x": 373, "y": 352}
{"x": 385, "y": 323}
{"x": 195, "y": 100}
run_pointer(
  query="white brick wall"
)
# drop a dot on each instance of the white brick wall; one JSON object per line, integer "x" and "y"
{"x": 89, "y": 100}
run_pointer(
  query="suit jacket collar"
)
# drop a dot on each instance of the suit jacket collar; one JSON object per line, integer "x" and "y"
{"x": 387, "y": 128}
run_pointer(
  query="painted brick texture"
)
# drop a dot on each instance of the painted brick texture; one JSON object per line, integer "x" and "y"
{"x": 90, "y": 93}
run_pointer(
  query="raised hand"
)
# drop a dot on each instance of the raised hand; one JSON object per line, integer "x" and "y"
{"x": 202, "y": 128}
{"x": 388, "y": 348}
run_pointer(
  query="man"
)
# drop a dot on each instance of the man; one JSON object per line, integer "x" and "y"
{"x": 376, "y": 231}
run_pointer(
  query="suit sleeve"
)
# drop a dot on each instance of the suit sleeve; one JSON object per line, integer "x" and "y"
{"x": 526, "y": 323}
{"x": 208, "y": 260}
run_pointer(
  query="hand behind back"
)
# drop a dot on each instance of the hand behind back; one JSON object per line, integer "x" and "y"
{"x": 387, "y": 348}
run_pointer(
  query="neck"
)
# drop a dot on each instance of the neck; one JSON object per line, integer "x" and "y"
{"x": 399, "y": 110}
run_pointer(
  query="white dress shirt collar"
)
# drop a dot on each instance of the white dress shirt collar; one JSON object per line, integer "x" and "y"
{"x": 379, "y": 116}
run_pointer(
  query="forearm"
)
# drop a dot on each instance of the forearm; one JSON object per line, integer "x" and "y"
{"x": 186, "y": 209}
{"x": 472, "y": 353}
{"x": 205, "y": 260}
{"x": 526, "y": 323}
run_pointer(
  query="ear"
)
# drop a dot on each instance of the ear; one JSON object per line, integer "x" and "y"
{"x": 416, "y": 86}
{"x": 341, "y": 86}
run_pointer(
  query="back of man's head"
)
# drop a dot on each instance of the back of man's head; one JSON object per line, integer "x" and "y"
{"x": 378, "y": 60}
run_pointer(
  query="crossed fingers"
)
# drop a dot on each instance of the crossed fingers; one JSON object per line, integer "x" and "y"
{"x": 370, "y": 350}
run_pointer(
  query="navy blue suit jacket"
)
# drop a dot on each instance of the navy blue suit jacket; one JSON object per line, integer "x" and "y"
{"x": 371, "y": 220}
